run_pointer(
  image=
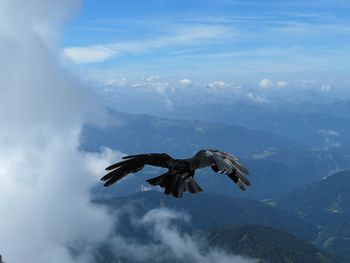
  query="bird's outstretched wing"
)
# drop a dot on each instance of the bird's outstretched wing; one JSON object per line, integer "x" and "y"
{"x": 133, "y": 164}
{"x": 221, "y": 162}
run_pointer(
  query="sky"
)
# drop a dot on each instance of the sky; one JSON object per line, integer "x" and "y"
{"x": 210, "y": 40}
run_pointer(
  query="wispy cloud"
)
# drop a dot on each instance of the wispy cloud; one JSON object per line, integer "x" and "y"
{"x": 183, "y": 36}
{"x": 91, "y": 54}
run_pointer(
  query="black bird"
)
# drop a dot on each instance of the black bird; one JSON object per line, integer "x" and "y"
{"x": 179, "y": 177}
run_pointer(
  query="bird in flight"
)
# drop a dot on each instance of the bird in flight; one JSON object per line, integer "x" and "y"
{"x": 179, "y": 177}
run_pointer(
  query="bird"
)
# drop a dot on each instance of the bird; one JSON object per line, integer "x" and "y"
{"x": 179, "y": 176}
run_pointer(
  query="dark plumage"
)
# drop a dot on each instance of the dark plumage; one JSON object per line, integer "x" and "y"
{"x": 179, "y": 177}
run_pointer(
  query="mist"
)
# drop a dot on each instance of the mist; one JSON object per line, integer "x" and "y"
{"x": 45, "y": 206}
{"x": 166, "y": 241}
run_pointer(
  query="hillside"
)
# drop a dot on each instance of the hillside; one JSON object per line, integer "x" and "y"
{"x": 326, "y": 204}
{"x": 267, "y": 244}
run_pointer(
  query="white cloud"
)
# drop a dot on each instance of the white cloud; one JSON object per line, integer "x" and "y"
{"x": 265, "y": 83}
{"x": 154, "y": 82}
{"x": 146, "y": 188}
{"x": 185, "y": 82}
{"x": 181, "y": 35}
{"x": 281, "y": 84}
{"x": 93, "y": 54}
{"x": 46, "y": 180}
{"x": 119, "y": 82}
{"x": 331, "y": 139}
{"x": 151, "y": 78}
{"x": 217, "y": 85}
{"x": 257, "y": 98}
{"x": 97, "y": 162}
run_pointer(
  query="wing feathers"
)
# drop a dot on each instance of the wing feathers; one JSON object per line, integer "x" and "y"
{"x": 133, "y": 164}
{"x": 221, "y": 162}
{"x": 116, "y": 165}
{"x": 121, "y": 171}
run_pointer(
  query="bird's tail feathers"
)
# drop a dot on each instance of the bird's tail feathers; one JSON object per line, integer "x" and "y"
{"x": 176, "y": 183}
{"x": 159, "y": 180}
{"x": 192, "y": 186}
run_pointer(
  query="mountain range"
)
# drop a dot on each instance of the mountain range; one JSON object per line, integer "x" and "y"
{"x": 325, "y": 204}
{"x": 267, "y": 244}
{"x": 274, "y": 161}
{"x": 298, "y": 207}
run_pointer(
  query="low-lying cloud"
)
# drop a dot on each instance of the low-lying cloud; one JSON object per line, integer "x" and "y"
{"x": 332, "y": 138}
{"x": 168, "y": 243}
{"x": 266, "y": 84}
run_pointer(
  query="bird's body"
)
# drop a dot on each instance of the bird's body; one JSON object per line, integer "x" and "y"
{"x": 179, "y": 177}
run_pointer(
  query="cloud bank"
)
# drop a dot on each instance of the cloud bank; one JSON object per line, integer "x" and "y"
{"x": 45, "y": 206}
{"x": 168, "y": 242}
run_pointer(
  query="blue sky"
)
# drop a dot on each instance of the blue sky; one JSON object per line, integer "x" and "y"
{"x": 211, "y": 40}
